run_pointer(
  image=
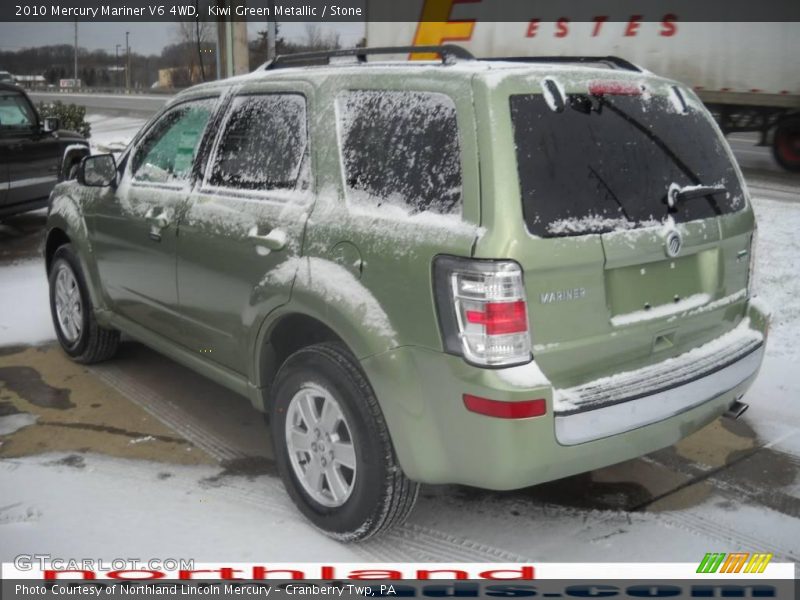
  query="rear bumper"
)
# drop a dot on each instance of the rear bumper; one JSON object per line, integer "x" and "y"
{"x": 438, "y": 441}
{"x": 614, "y": 405}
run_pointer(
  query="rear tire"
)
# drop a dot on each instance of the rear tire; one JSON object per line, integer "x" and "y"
{"x": 786, "y": 144}
{"x": 338, "y": 465}
{"x": 77, "y": 330}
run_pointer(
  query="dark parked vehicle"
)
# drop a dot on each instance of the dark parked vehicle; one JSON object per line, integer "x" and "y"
{"x": 34, "y": 153}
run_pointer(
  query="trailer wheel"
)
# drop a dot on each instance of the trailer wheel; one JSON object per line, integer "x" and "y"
{"x": 786, "y": 144}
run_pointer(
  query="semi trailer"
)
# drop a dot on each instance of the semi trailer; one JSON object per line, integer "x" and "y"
{"x": 746, "y": 73}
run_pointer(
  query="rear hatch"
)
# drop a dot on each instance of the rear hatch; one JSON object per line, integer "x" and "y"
{"x": 616, "y": 278}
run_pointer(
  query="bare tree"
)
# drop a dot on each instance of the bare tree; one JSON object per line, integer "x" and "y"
{"x": 194, "y": 36}
{"x": 316, "y": 39}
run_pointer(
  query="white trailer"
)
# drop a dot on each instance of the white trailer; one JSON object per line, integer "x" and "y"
{"x": 746, "y": 73}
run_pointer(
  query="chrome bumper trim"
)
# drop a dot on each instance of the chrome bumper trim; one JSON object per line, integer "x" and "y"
{"x": 622, "y": 416}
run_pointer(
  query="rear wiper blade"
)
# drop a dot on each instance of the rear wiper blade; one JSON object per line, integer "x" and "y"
{"x": 677, "y": 193}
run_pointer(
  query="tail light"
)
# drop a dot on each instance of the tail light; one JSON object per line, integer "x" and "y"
{"x": 482, "y": 310}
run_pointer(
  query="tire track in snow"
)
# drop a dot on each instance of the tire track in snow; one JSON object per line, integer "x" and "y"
{"x": 410, "y": 542}
{"x": 171, "y": 415}
{"x": 734, "y": 538}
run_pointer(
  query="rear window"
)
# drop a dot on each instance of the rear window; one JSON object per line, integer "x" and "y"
{"x": 401, "y": 148}
{"x": 606, "y": 162}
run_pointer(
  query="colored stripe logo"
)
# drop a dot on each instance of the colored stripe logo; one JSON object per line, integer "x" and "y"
{"x": 736, "y": 562}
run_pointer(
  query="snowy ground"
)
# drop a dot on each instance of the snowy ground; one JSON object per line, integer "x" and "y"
{"x": 734, "y": 487}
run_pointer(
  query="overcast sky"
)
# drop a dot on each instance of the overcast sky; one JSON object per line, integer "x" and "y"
{"x": 145, "y": 38}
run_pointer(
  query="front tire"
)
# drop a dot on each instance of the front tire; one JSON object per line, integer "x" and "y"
{"x": 77, "y": 330}
{"x": 333, "y": 448}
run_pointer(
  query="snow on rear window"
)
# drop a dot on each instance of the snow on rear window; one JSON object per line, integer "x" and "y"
{"x": 606, "y": 163}
{"x": 595, "y": 224}
{"x": 401, "y": 149}
{"x": 264, "y": 143}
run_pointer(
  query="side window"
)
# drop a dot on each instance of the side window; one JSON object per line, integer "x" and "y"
{"x": 401, "y": 148}
{"x": 16, "y": 112}
{"x": 263, "y": 144}
{"x": 167, "y": 152}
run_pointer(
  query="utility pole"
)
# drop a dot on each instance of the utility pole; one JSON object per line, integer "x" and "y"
{"x": 272, "y": 34}
{"x": 75, "y": 66}
{"x": 231, "y": 44}
{"x": 116, "y": 64}
{"x": 127, "y": 63}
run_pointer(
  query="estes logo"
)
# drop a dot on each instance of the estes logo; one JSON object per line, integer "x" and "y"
{"x": 436, "y": 26}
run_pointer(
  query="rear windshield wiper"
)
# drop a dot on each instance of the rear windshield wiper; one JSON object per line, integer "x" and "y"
{"x": 677, "y": 193}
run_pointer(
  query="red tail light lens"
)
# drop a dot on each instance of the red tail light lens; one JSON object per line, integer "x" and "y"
{"x": 482, "y": 310}
{"x": 501, "y": 317}
{"x": 524, "y": 409}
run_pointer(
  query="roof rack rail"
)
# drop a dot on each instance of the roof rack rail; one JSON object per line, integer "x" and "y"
{"x": 613, "y": 61}
{"x": 449, "y": 53}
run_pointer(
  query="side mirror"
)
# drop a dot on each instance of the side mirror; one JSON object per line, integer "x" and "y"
{"x": 51, "y": 124}
{"x": 99, "y": 170}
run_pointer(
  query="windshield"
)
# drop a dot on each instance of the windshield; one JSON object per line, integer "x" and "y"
{"x": 15, "y": 111}
{"x": 607, "y": 162}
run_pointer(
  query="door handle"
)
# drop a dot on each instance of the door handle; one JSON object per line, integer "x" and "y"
{"x": 274, "y": 240}
{"x": 159, "y": 219}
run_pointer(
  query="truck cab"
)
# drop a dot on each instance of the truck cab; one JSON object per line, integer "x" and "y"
{"x": 34, "y": 153}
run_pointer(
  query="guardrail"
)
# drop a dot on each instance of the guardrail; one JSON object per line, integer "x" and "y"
{"x": 103, "y": 90}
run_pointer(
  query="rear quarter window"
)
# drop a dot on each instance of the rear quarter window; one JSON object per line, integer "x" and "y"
{"x": 606, "y": 163}
{"x": 402, "y": 149}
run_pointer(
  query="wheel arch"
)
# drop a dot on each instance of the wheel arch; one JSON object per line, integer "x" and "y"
{"x": 305, "y": 321}
{"x": 72, "y": 154}
{"x": 66, "y": 225}
{"x": 282, "y": 335}
{"x": 56, "y": 237}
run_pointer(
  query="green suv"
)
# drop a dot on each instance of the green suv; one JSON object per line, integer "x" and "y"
{"x": 490, "y": 273}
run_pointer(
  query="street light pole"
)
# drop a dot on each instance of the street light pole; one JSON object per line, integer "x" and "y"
{"x": 75, "y": 65}
{"x": 272, "y": 33}
{"x": 127, "y": 62}
{"x": 116, "y": 64}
